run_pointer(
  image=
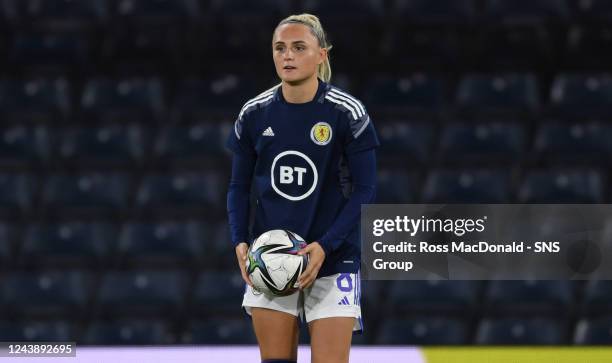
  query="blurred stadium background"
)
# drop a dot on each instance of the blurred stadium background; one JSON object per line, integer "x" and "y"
{"x": 113, "y": 115}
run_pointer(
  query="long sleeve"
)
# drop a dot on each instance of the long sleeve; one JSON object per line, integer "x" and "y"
{"x": 362, "y": 166}
{"x": 238, "y": 196}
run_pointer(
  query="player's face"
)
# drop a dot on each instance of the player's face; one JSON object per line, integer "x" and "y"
{"x": 296, "y": 53}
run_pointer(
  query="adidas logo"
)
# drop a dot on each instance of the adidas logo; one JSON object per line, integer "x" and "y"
{"x": 344, "y": 301}
{"x": 268, "y": 132}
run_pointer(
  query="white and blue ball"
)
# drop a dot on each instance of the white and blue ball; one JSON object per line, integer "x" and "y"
{"x": 273, "y": 264}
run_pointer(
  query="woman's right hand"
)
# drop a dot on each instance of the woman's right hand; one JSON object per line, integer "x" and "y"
{"x": 241, "y": 254}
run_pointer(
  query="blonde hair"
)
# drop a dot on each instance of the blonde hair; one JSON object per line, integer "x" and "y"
{"x": 312, "y": 22}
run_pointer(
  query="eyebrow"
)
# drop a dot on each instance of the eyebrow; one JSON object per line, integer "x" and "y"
{"x": 296, "y": 42}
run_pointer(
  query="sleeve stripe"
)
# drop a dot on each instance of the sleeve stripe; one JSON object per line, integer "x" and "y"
{"x": 338, "y": 96}
{"x": 250, "y": 104}
{"x": 236, "y": 129}
{"x": 347, "y": 106}
{"x": 338, "y": 92}
{"x": 367, "y": 121}
{"x": 252, "y": 101}
{"x": 260, "y": 98}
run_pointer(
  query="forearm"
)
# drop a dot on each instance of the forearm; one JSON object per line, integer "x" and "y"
{"x": 238, "y": 197}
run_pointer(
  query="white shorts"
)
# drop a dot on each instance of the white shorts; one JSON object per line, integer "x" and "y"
{"x": 330, "y": 296}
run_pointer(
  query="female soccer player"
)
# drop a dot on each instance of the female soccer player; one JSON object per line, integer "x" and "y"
{"x": 310, "y": 148}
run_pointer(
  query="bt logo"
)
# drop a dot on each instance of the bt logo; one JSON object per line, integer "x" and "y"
{"x": 296, "y": 175}
{"x": 286, "y": 174}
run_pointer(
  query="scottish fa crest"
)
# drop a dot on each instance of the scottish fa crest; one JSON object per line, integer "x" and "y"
{"x": 321, "y": 133}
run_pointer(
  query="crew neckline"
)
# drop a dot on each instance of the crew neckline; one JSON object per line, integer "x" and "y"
{"x": 320, "y": 86}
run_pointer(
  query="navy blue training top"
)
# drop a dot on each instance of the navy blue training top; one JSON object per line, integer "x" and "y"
{"x": 299, "y": 157}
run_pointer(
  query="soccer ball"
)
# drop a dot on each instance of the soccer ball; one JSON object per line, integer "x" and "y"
{"x": 273, "y": 263}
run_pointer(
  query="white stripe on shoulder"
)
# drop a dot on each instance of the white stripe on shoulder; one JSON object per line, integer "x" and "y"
{"x": 236, "y": 129}
{"x": 251, "y": 104}
{"x": 345, "y": 102}
{"x": 367, "y": 121}
{"x": 340, "y": 102}
{"x": 259, "y": 97}
{"x": 273, "y": 88}
{"x": 255, "y": 99}
{"x": 338, "y": 96}
{"x": 264, "y": 93}
{"x": 337, "y": 91}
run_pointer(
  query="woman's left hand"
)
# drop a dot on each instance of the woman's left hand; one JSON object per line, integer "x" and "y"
{"x": 315, "y": 260}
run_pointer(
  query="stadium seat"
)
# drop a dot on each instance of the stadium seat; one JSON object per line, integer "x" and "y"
{"x": 220, "y": 331}
{"x": 581, "y": 96}
{"x": 34, "y": 100}
{"x": 245, "y": 32}
{"x": 595, "y": 11}
{"x": 582, "y": 142}
{"x": 492, "y": 142}
{"x": 422, "y": 48}
{"x": 72, "y": 243}
{"x": 589, "y": 46}
{"x": 156, "y": 12}
{"x": 21, "y": 144}
{"x": 8, "y": 12}
{"x": 115, "y": 101}
{"x": 374, "y": 293}
{"x": 95, "y": 191}
{"x": 187, "y": 190}
{"x": 220, "y": 252}
{"x": 596, "y": 331}
{"x": 501, "y": 93}
{"x": 396, "y": 186}
{"x": 63, "y": 14}
{"x": 433, "y": 295}
{"x": 198, "y": 100}
{"x": 514, "y": 331}
{"x": 529, "y": 296}
{"x": 193, "y": 143}
{"x": 246, "y": 8}
{"x": 337, "y": 17}
{"x": 50, "y": 293}
{"x": 37, "y": 331}
{"x": 598, "y": 297}
{"x": 214, "y": 292}
{"x": 516, "y": 46}
{"x": 445, "y": 12}
{"x": 527, "y": 11}
{"x": 128, "y": 332}
{"x": 48, "y": 50}
{"x": 466, "y": 186}
{"x": 561, "y": 186}
{"x": 147, "y": 292}
{"x": 115, "y": 145}
{"x": 161, "y": 242}
{"x": 331, "y": 9}
{"x": 144, "y": 50}
{"x": 7, "y": 241}
{"x": 405, "y": 141}
{"x": 418, "y": 93}
{"x": 17, "y": 192}
{"x": 423, "y": 331}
